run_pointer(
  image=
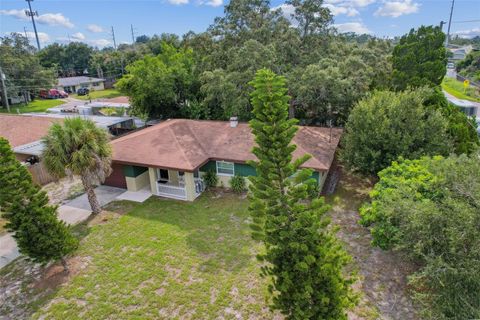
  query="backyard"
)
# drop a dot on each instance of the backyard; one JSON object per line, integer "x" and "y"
{"x": 177, "y": 260}
{"x": 38, "y": 105}
{"x": 101, "y": 94}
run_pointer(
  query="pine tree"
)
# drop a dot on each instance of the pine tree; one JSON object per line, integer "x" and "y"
{"x": 303, "y": 258}
{"x": 33, "y": 222}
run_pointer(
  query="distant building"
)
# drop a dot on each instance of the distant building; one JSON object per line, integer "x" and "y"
{"x": 460, "y": 53}
{"x": 72, "y": 84}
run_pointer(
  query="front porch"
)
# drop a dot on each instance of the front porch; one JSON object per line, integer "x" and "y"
{"x": 176, "y": 184}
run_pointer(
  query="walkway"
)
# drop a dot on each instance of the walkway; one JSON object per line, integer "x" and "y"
{"x": 73, "y": 212}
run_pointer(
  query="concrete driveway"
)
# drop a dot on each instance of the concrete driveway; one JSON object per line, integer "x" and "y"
{"x": 73, "y": 212}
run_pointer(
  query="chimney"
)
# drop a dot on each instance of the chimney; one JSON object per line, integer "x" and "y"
{"x": 233, "y": 122}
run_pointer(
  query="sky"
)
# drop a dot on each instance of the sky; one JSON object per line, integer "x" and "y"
{"x": 90, "y": 21}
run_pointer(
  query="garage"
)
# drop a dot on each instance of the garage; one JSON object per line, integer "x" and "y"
{"x": 117, "y": 177}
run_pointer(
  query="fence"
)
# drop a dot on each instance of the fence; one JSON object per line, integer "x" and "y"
{"x": 40, "y": 174}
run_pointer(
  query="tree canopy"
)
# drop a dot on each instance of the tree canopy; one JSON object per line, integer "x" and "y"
{"x": 419, "y": 59}
{"x": 429, "y": 209}
{"x": 387, "y": 125}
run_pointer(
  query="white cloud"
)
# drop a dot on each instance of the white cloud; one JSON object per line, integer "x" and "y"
{"x": 99, "y": 42}
{"x": 287, "y": 10}
{"x": 357, "y": 27}
{"x": 212, "y": 3}
{"x": 19, "y": 14}
{"x": 468, "y": 33}
{"x": 78, "y": 36}
{"x": 178, "y": 2}
{"x": 94, "y": 28}
{"x": 338, "y": 10}
{"x": 42, "y": 37}
{"x": 55, "y": 19}
{"x": 396, "y": 9}
{"x": 51, "y": 19}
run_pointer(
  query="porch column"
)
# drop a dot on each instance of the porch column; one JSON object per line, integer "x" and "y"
{"x": 189, "y": 186}
{"x": 152, "y": 172}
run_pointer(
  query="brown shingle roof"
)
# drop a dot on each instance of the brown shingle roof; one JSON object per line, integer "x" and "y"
{"x": 187, "y": 144}
{"x": 20, "y": 130}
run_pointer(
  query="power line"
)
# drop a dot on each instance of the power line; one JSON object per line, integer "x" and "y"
{"x": 32, "y": 14}
{"x": 466, "y": 21}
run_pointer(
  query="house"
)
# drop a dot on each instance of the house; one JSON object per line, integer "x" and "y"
{"x": 460, "y": 53}
{"x": 72, "y": 84}
{"x": 170, "y": 158}
{"x": 24, "y": 132}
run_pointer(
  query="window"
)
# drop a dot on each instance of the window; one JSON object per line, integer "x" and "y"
{"x": 225, "y": 168}
{"x": 163, "y": 174}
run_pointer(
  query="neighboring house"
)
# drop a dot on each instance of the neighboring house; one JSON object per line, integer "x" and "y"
{"x": 460, "y": 53}
{"x": 171, "y": 157}
{"x": 72, "y": 84}
{"x": 24, "y": 134}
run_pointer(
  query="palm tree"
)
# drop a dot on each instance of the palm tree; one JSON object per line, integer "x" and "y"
{"x": 79, "y": 148}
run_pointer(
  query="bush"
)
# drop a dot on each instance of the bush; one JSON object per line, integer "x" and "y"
{"x": 238, "y": 184}
{"x": 388, "y": 125}
{"x": 429, "y": 209}
{"x": 210, "y": 178}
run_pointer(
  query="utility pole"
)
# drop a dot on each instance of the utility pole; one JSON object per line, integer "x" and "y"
{"x": 25, "y": 32}
{"x": 113, "y": 37}
{"x": 32, "y": 14}
{"x": 133, "y": 34}
{"x": 441, "y": 25}
{"x": 449, "y": 24}
{"x": 4, "y": 91}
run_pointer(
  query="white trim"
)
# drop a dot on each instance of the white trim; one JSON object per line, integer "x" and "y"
{"x": 225, "y": 174}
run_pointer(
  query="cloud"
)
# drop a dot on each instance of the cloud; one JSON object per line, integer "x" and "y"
{"x": 99, "y": 42}
{"x": 211, "y": 3}
{"x": 396, "y": 9}
{"x": 42, "y": 37}
{"x": 178, "y": 2}
{"x": 94, "y": 28}
{"x": 357, "y": 27}
{"x": 337, "y": 10}
{"x": 51, "y": 19}
{"x": 19, "y": 14}
{"x": 78, "y": 36}
{"x": 55, "y": 19}
{"x": 470, "y": 33}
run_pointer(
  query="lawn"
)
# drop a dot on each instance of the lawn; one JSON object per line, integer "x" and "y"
{"x": 38, "y": 105}
{"x": 456, "y": 88}
{"x": 167, "y": 259}
{"x": 106, "y": 94}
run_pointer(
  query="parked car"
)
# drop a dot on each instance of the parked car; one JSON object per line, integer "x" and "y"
{"x": 450, "y": 65}
{"x": 52, "y": 94}
{"x": 83, "y": 91}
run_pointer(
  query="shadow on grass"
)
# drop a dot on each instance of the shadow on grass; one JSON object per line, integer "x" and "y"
{"x": 217, "y": 228}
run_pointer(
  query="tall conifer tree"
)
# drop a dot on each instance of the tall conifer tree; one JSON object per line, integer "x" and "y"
{"x": 33, "y": 222}
{"x": 303, "y": 258}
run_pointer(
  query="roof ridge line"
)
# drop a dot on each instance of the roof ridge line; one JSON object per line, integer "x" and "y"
{"x": 181, "y": 147}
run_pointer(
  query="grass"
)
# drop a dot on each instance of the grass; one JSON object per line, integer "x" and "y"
{"x": 167, "y": 259}
{"x": 38, "y": 105}
{"x": 456, "y": 89}
{"x": 2, "y": 226}
{"x": 108, "y": 93}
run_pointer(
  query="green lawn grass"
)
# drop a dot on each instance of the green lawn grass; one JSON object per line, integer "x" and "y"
{"x": 38, "y": 105}
{"x": 456, "y": 88}
{"x": 167, "y": 259}
{"x": 108, "y": 93}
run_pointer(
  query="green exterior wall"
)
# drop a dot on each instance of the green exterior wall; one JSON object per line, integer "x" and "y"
{"x": 241, "y": 169}
{"x": 244, "y": 170}
{"x": 133, "y": 171}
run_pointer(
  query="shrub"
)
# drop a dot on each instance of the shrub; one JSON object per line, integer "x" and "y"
{"x": 210, "y": 178}
{"x": 238, "y": 184}
{"x": 388, "y": 125}
{"x": 429, "y": 209}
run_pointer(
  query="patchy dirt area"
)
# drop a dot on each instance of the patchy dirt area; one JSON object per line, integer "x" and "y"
{"x": 383, "y": 274}
{"x": 63, "y": 190}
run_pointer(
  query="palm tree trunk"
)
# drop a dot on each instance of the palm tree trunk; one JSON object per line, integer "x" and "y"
{"x": 92, "y": 197}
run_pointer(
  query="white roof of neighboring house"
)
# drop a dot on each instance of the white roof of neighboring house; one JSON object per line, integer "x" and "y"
{"x": 75, "y": 81}
{"x": 100, "y": 121}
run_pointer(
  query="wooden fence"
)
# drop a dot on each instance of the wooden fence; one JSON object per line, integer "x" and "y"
{"x": 40, "y": 175}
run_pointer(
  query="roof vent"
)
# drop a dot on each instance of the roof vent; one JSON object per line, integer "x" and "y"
{"x": 233, "y": 122}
